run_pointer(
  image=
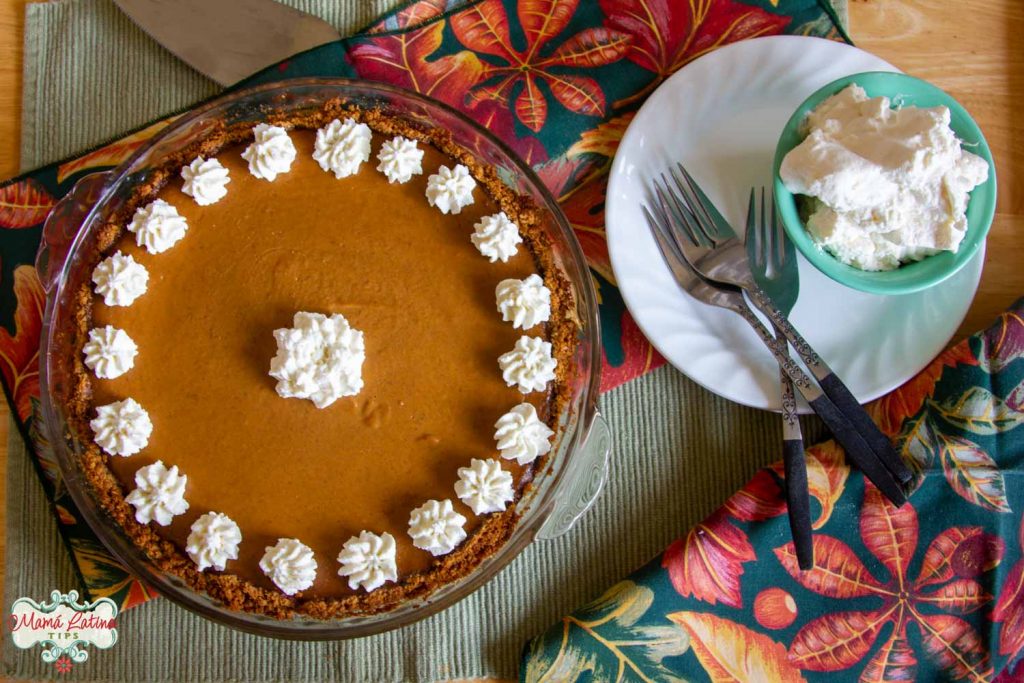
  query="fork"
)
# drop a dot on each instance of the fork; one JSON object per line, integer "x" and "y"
{"x": 664, "y": 229}
{"x": 716, "y": 254}
{"x": 773, "y": 262}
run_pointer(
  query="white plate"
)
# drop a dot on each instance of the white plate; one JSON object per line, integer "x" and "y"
{"x": 721, "y": 116}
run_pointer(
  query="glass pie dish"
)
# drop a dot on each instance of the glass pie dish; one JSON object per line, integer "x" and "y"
{"x": 565, "y": 484}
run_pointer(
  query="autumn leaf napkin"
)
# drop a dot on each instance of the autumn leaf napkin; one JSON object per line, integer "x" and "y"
{"x": 933, "y": 590}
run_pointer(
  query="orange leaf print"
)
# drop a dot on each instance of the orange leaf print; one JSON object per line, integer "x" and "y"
{"x": 732, "y": 653}
{"x": 19, "y": 353}
{"x": 890, "y": 533}
{"x": 112, "y": 154}
{"x": 603, "y": 139}
{"x": 894, "y": 662}
{"x": 411, "y": 16}
{"x": 827, "y": 473}
{"x": 401, "y": 59}
{"x": 837, "y": 571}
{"x": 24, "y": 204}
{"x": 543, "y": 19}
{"x": 761, "y": 498}
{"x": 708, "y": 562}
{"x": 963, "y": 596}
{"x": 838, "y": 640}
{"x": 956, "y": 646}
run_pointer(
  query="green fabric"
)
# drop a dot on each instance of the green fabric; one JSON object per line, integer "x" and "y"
{"x": 930, "y": 591}
{"x": 678, "y": 450}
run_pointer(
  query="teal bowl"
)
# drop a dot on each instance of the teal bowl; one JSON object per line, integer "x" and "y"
{"x": 903, "y": 90}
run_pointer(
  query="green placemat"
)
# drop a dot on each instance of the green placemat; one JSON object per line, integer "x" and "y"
{"x": 678, "y": 451}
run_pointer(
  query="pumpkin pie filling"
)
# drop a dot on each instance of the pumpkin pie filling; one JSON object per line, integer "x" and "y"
{"x": 400, "y": 271}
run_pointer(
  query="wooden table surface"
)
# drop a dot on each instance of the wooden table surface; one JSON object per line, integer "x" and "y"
{"x": 970, "y": 48}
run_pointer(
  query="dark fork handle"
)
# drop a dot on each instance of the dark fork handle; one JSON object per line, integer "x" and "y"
{"x": 848, "y": 436}
{"x": 835, "y": 389}
{"x": 798, "y": 502}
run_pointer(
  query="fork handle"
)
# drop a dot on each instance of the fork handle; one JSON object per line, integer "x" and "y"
{"x": 842, "y": 429}
{"x": 795, "y": 467}
{"x": 834, "y": 388}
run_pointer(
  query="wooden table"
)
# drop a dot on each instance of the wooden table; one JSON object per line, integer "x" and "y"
{"x": 971, "y": 48}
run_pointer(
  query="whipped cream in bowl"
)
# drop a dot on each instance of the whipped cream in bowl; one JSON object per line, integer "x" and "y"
{"x": 895, "y": 182}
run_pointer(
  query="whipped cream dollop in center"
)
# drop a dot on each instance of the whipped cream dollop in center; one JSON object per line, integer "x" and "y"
{"x": 159, "y": 494}
{"x": 122, "y": 428}
{"x": 157, "y": 226}
{"x": 120, "y": 280}
{"x": 496, "y": 237}
{"x": 529, "y": 365}
{"x": 271, "y": 152}
{"x": 889, "y": 185}
{"x": 524, "y": 303}
{"x": 484, "y": 486}
{"x": 319, "y": 358}
{"x": 206, "y": 181}
{"x": 290, "y": 564}
{"x": 368, "y": 561}
{"x": 213, "y": 540}
{"x": 341, "y": 148}
{"x": 400, "y": 159}
{"x": 451, "y": 190}
{"x": 436, "y": 527}
{"x": 109, "y": 352}
{"x": 521, "y": 435}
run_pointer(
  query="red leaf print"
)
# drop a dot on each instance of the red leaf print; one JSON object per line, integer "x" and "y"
{"x": 892, "y": 409}
{"x": 893, "y": 662}
{"x": 965, "y": 551}
{"x": 837, "y": 571}
{"x": 1009, "y": 612}
{"x": 972, "y": 473}
{"x": 401, "y": 59}
{"x": 760, "y": 499}
{"x": 19, "y": 353}
{"x": 484, "y": 28}
{"x": 963, "y": 596}
{"x": 667, "y": 34}
{"x": 956, "y": 646}
{"x": 1004, "y": 342}
{"x": 531, "y": 107}
{"x": 838, "y": 640}
{"x": 641, "y": 357}
{"x": 580, "y": 94}
{"x": 708, "y": 562}
{"x": 890, "y": 533}
{"x": 585, "y": 211}
{"x": 590, "y": 47}
{"x": 24, "y": 204}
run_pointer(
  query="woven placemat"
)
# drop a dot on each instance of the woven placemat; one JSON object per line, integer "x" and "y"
{"x": 678, "y": 450}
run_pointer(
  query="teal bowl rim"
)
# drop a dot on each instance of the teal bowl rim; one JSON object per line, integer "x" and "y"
{"x": 912, "y": 277}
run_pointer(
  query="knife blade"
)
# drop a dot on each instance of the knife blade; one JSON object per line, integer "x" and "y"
{"x": 228, "y": 40}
